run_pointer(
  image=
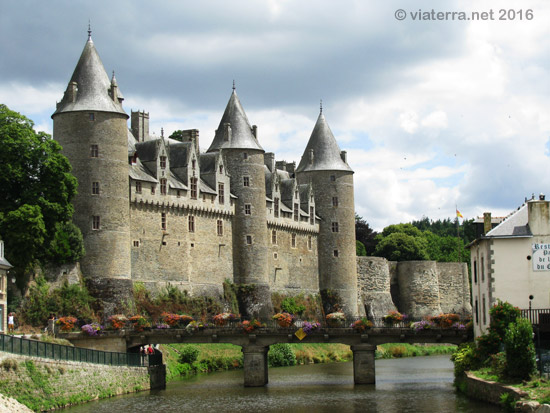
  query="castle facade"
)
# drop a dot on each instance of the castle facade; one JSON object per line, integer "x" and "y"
{"x": 159, "y": 211}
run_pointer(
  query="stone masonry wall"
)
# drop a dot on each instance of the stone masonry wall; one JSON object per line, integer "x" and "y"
{"x": 196, "y": 261}
{"x": 454, "y": 288}
{"x": 373, "y": 278}
{"x": 53, "y": 383}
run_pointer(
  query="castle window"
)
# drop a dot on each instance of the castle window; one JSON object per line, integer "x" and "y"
{"x": 334, "y": 201}
{"x": 94, "y": 151}
{"x": 275, "y": 255}
{"x": 249, "y": 239}
{"x": 136, "y": 243}
{"x": 482, "y": 269}
{"x": 296, "y": 209}
{"x": 475, "y": 272}
{"x": 163, "y": 186}
{"x": 335, "y": 227}
{"x": 245, "y": 155}
{"x": 335, "y": 253}
{"x": 247, "y": 209}
{"x": 221, "y": 194}
{"x": 246, "y": 181}
{"x": 91, "y": 116}
{"x": 203, "y": 197}
{"x": 221, "y": 169}
{"x": 276, "y": 207}
{"x": 163, "y": 221}
{"x": 220, "y": 227}
{"x": 178, "y": 193}
{"x": 312, "y": 215}
{"x": 162, "y": 162}
{"x": 193, "y": 184}
{"x": 95, "y": 222}
{"x": 477, "y": 312}
{"x": 274, "y": 237}
{"x": 332, "y": 178}
{"x": 194, "y": 163}
{"x": 293, "y": 241}
{"x": 277, "y": 187}
{"x": 153, "y": 187}
{"x": 95, "y": 188}
{"x": 138, "y": 187}
{"x": 191, "y": 222}
{"x": 309, "y": 243}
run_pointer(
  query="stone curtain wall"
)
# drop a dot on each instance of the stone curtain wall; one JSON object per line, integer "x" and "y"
{"x": 373, "y": 275}
{"x": 419, "y": 288}
{"x": 54, "y": 383}
{"x": 454, "y": 288}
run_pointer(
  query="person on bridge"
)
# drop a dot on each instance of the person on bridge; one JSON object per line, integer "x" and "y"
{"x": 11, "y": 322}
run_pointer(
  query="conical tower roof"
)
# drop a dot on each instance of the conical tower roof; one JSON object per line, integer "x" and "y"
{"x": 92, "y": 86}
{"x": 241, "y": 136}
{"x": 325, "y": 150}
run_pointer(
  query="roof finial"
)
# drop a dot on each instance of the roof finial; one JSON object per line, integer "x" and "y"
{"x": 162, "y": 132}
{"x": 321, "y": 107}
{"x": 233, "y": 84}
{"x": 89, "y": 30}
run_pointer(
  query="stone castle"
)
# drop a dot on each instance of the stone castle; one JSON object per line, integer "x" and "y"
{"x": 158, "y": 211}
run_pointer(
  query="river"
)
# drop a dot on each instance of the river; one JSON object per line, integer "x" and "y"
{"x": 416, "y": 384}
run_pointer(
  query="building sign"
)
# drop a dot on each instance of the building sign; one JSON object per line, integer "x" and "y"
{"x": 541, "y": 257}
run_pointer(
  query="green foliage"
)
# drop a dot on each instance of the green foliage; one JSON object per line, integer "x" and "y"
{"x": 400, "y": 246}
{"x": 520, "y": 350}
{"x": 488, "y": 344}
{"x": 281, "y": 354}
{"x": 67, "y": 244}
{"x": 360, "y": 249}
{"x": 508, "y": 402}
{"x": 230, "y": 295}
{"x": 9, "y": 364}
{"x": 406, "y": 242}
{"x": 502, "y": 314}
{"x": 36, "y": 189}
{"x": 289, "y": 305}
{"x": 73, "y": 300}
{"x": 365, "y": 235}
{"x": 189, "y": 354}
{"x": 464, "y": 359}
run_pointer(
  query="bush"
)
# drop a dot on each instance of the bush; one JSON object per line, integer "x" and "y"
{"x": 289, "y": 306}
{"x": 189, "y": 354}
{"x": 520, "y": 350}
{"x": 502, "y": 314}
{"x": 464, "y": 359}
{"x": 281, "y": 354}
{"x": 488, "y": 344}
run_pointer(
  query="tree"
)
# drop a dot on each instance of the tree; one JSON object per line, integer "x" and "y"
{"x": 360, "y": 250}
{"x": 365, "y": 234}
{"x": 36, "y": 189}
{"x": 399, "y": 246}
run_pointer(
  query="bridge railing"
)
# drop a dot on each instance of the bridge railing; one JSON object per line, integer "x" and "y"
{"x": 35, "y": 348}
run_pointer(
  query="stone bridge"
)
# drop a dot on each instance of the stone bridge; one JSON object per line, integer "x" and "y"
{"x": 255, "y": 345}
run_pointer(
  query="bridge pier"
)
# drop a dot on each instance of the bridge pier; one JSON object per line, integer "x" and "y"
{"x": 255, "y": 365}
{"x": 363, "y": 364}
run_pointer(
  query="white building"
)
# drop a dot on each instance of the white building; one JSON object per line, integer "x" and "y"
{"x": 511, "y": 262}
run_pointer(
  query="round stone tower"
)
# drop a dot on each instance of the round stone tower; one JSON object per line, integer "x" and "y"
{"x": 325, "y": 167}
{"x": 91, "y": 125}
{"x": 243, "y": 156}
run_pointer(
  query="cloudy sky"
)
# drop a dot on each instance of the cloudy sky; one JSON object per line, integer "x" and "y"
{"x": 433, "y": 113}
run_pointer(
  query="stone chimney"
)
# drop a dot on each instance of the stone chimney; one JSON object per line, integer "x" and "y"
{"x": 140, "y": 125}
{"x": 269, "y": 161}
{"x": 539, "y": 217}
{"x": 344, "y": 156}
{"x": 487, "y": 222}
{"x": 227, "y": 131}
{"x": 255, "y": 131}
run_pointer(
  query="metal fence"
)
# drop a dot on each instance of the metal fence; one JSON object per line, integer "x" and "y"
{"x": 36, "y": 348}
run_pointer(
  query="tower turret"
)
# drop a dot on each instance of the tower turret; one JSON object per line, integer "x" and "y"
{"x": 244, "y": 159}
{"x": 91, "y": 125}
{"x": 324, "y": 166}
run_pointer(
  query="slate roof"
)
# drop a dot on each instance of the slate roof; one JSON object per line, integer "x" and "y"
{"x": 93, "y": 85}
{"x": 516, "y": 225}
{"x": 326, "y": 152}
{"x": 241, "y": 132}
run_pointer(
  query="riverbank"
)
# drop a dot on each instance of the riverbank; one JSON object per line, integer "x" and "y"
{"x": 221, "y": 357}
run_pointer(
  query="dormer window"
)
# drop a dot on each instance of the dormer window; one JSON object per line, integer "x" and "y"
{"x": 296, "y": 209}
{"x": 193, "y": 185}
{"x": 163, "y": 186}
{"x": 194, "y": 163}
{"x": 163, "y": 162}
{"x": 221, "y": 169}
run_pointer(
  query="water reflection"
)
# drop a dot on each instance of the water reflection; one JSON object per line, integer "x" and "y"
{"x": 421, "y": 384}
